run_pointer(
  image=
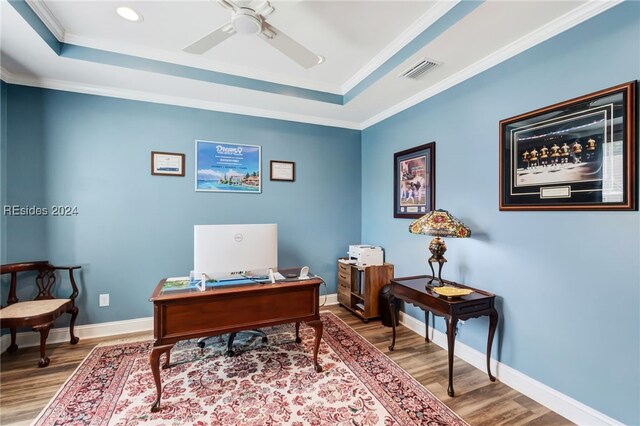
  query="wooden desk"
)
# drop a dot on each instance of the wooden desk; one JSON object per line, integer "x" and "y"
{"x": 414, "y": 290}
{"x": 186, "y": 314}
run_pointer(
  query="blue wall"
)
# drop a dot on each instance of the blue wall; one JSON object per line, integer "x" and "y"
{"x": 3, "y": 166}
{"x": 133, "y": 228}
{"x": 568, "y": 282}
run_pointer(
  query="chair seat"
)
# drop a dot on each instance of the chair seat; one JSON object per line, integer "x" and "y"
{"x": 30, "y": 309}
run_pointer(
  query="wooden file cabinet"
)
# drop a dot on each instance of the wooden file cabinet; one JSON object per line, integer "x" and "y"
{"x": 359, "y": 287}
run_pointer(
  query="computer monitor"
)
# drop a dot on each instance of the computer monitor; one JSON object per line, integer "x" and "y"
{"x": 231, "y": 251}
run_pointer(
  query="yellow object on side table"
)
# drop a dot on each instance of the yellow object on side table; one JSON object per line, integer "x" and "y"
{"x": 449, "y": 291}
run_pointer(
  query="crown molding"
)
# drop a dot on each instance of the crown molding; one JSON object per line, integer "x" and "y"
{"x": 196, "y": 61}
{"x": 565, "y": 22}
{"x": 47, "y": 17}
{"x": 418, "y": 27}
{"x": 176, "y": 100}
{"x": 553, "y": 28}
{"x": 6, "y": 76}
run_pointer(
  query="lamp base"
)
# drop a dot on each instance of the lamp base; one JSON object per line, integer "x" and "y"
{"x": 439, "y": 282}
{"x": 437, "y": 247}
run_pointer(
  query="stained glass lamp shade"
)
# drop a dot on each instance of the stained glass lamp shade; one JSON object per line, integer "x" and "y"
{"x": 439, "y": 223}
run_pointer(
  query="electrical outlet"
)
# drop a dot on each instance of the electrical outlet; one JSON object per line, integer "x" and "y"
{"x": 104, "y": 300}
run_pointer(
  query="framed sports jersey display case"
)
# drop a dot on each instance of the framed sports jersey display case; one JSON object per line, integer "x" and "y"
{"x": 580, "y": 154}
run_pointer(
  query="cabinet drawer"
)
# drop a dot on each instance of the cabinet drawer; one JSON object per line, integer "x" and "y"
{"x": 344, "y": 293}
{"x": 344, "y": 286}
{"x": 344, "y": 272}
{"x": 344, "y": 299}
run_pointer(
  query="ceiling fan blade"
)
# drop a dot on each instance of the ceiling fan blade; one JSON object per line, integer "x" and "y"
{"x": 210, "y": 40}
{"x": 285, "y": 44}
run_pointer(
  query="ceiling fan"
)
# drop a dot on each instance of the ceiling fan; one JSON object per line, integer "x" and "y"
{"x": 252, "y": 20}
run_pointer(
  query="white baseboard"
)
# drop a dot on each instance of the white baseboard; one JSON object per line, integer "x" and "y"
{"x": 59, "y": 335}
{"x": 105, "y": 329}
{"x": 332, "y": 299}
{"x": 562, "y": 404}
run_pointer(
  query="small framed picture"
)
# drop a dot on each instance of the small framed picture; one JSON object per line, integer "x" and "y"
{"x": 414, "y": 181}
{"x": 167, "y": 164}
{"x": 575, "y": 155}
{"x": 283, "y": 170}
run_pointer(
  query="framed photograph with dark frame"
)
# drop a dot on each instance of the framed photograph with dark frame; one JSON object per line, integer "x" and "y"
{"x": 167, "y": 163}
{"x": 414, "y": 181}
{"x": 283, "y": 170}
{"x": 575, "y": 155}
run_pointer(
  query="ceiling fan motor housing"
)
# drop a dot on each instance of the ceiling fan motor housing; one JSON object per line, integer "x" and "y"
{"x": 247, "y": 21}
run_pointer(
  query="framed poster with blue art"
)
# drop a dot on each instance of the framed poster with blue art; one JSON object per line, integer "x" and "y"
{"x": 228, "y": 167}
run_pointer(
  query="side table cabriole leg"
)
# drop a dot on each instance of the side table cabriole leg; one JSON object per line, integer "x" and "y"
{"x": 493, "y": 323}
{"x": 426, "y": 324}
{"x": 452, "y": 322}
{"x": 392, "y": 310}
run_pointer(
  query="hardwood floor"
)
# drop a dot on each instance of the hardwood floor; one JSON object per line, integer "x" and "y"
{"x": 25, "y": 389}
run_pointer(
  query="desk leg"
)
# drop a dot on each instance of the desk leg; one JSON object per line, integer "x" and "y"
{"x": 452, "y": 322}
{"x": 154, "y": 362}
{"x": 317, "y": 326}
{"x": 392, "y": 315}
{"x": 493, "y": 323}
{"x": 167, "y": 360}
{"x": 298, "y": 339}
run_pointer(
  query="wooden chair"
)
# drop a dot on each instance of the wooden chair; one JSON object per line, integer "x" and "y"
{"x": 40, "y": 313}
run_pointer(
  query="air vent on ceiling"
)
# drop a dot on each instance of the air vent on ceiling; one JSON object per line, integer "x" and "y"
{"x": 417, "y": 70}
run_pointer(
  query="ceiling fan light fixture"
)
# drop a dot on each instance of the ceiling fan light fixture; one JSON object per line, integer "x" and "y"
{"x": 247, "y": 22}
{"x": 129, "y": 14}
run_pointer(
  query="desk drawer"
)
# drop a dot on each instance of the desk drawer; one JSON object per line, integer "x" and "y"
{"x": 185, "y": 318}
{"x": 472, "y": 306}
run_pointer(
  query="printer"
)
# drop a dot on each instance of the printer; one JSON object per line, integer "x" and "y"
{"x": 366, "y": 255}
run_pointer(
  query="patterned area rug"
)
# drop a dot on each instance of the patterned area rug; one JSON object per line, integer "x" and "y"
{"x": 272, "y": 384}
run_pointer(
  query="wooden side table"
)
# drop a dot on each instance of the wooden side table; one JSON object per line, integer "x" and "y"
{"x": 415, "y": 290}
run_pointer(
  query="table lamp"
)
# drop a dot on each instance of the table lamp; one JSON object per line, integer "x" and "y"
{"x": 439, "y": 223}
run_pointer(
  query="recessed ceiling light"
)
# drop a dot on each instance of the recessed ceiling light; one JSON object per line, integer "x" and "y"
{"x": 129, "y": 14}
{"x": 320, "y": 59}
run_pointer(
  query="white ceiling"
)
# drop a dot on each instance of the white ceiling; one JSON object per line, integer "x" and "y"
{"x": 355, "y": 37}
